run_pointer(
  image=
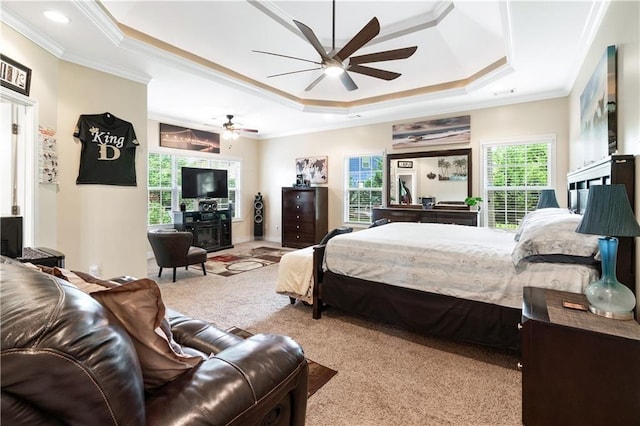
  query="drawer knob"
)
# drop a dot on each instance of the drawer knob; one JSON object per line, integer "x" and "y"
{"x": 297, "y": 207}
{"x": 519, "y": 326}
{"x": 297, "y": 226}
{"x": 297, "y": 217}
{"x": 519, "y": 366}
{"x": 297, "y": 196}
{"x": 298, "y": 236}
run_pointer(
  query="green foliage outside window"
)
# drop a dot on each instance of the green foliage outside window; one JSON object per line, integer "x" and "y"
{"x": 515, "y": 176}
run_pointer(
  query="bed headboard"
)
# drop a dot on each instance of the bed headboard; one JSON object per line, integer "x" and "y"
{"x": 614, "y": 169}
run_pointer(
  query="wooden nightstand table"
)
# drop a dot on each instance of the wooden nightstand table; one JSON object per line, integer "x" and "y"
{"x": 577, "y": 368}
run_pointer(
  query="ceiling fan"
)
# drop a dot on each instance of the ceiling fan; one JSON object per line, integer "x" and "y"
{"x": 341, "y": 61}
{"x": 230, "y": 131}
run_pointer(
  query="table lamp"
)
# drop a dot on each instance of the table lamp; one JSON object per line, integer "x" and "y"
{"x": 547, "y": 199}
{"x": 609, "y": 214}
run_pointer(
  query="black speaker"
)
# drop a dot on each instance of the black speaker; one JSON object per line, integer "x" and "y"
{"x": 208, "y": 205}
{"x": 258, "y": 216}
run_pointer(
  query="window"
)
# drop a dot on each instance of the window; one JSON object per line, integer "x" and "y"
{"x": 515, "y": 173}
{"x": 363, "y": 187}
{"x": 164, "y": 192}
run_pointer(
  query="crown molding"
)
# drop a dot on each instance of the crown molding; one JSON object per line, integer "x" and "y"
{"x": 9, "y": 18}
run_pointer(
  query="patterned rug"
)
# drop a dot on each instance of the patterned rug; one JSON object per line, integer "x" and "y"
{"x": 230, "y": 264}
{"x": 319, "y": 375}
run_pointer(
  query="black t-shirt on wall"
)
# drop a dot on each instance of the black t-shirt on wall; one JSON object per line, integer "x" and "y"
{"x": 108, "y": 154}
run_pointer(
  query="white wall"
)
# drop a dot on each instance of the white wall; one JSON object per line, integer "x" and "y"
{"x": 101, "y": 225}
{"x": 278, "y": 155}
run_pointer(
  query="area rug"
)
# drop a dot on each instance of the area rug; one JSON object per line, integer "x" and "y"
{"x": 230, "y": 264}
{"x": 319, "y": 375}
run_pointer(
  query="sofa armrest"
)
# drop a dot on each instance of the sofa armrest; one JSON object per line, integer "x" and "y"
{"x": 264, "y": 375}
{"x": 198, "y": 334}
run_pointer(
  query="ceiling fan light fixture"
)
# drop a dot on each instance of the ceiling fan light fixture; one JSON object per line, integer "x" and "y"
{"x": 333, "y": 70}
{"x": 228, "y": 134}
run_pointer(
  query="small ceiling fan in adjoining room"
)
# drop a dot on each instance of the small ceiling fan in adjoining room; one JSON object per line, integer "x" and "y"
{"x": 340, "y": 62}
{"x": 230, "y": 131}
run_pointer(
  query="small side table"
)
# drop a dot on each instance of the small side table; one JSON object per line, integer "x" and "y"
{"x": 577, "y": 368}
{"x": 42, "y": 256}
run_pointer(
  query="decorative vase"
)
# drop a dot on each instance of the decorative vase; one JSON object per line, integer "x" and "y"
{"x": 608, "y": 296}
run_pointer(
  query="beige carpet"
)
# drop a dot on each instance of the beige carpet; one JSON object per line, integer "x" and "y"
{"x": 387, "y": 376}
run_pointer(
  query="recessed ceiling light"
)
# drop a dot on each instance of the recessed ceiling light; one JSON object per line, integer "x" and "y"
{"x": 56, "y": 17}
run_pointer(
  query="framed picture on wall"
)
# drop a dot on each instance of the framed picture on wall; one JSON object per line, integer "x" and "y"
{"x": 184, "y": 138}
{"x": 313, "y": 169}
{"x": 432, "y": 132}
{"x": 598, "y": 108}
{"x": 14, "y": 75}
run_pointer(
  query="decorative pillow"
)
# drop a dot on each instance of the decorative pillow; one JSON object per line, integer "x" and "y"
{"x": 137, "y": 306}
{"x": 554, "y": 235}
{"x": 539, "y": 215}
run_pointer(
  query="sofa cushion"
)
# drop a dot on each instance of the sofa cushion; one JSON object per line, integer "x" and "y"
{"x": 137, "y": 306}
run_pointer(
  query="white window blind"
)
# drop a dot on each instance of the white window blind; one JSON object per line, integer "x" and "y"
{"x": 363, "y": 187}
{"x": 515, "y": 174}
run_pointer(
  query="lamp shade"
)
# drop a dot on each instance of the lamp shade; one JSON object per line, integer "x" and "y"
{"x": 609, "y": 213}
{"x": 547, "y": 199}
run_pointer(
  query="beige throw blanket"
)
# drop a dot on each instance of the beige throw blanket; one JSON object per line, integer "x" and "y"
{"x": 295, "y": 274}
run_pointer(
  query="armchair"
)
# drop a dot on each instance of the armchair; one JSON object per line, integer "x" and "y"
{"x": 174, "y": 249}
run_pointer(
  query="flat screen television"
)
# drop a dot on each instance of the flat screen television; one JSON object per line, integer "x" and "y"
{"x": 204, "y": 183}
{"x": 11, "y": 236}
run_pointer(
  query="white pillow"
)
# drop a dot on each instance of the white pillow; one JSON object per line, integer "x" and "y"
{"x": 539, "y": 215}
{"x": 554, "y": 235}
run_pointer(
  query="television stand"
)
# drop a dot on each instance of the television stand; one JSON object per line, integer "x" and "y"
{"x": 211, "y": 230}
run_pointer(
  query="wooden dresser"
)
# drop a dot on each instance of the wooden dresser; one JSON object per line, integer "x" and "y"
{"x": 304, "y": 216}
{"x": 456, "y": 217}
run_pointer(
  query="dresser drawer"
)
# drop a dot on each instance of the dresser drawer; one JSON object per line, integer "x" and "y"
{"x": 300, "y": 227}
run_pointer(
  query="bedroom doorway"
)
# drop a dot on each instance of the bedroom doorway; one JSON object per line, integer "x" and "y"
{"x": 17, "y": 160}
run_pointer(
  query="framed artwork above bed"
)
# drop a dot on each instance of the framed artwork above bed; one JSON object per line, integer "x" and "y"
{"x": 598, "y": 109}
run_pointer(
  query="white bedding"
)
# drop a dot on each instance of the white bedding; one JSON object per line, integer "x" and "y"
{"x": 461, "y": 261}
{"x": 295, "y": 274}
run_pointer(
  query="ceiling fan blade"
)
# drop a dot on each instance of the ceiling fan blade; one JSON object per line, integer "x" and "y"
{"x": 314, "y": 82}
{"x": 366, "y": 34}
{"x": 348, "y": 82}
{"x": 247, "y": 130}
{"x": 293, "y": 72}
{"x": 387, "y": 55}
{"x": 286, "y": 56}
{"x": 374, "y": 72}
{"x": 311, "y": 37}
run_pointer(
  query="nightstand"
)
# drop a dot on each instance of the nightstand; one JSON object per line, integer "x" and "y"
{"x": 577, "y": 368}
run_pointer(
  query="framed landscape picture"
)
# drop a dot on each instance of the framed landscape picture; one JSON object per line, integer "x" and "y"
{"x": 432, "y": 132}
{"x": 183, "y": 138}
{"x": 598, "y": 108}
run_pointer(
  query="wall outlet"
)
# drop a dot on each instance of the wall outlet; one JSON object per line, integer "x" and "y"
{"x": 94, "y": 270}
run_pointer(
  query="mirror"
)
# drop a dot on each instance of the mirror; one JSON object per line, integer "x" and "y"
{"x": 421, "y": 179}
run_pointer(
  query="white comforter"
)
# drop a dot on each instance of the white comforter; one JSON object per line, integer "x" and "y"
{"x": 461, "y": 261}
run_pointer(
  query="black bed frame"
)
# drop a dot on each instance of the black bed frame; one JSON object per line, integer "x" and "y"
{"x": 446, "y": 316}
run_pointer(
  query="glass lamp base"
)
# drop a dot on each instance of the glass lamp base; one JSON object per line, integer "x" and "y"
{"x": 607, "y": 296}
{"x": 612, "y": 315}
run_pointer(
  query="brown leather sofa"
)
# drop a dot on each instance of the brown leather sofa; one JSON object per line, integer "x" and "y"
{"x": 63, "y": 361}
